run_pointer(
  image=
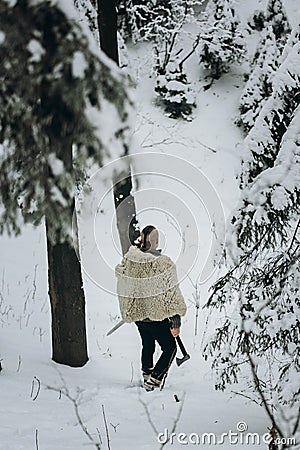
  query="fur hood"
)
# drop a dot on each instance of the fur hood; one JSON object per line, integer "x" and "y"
{"x": 147, "y": 287}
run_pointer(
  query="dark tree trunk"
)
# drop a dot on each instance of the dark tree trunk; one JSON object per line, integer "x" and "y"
{"x": 69, "y": 345}
{"x": 107, "y": 23}
{"x": 126, "y": 213}
{"x": 126, "y": 217}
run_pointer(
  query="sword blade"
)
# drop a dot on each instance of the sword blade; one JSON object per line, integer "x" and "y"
{"x": 119, "y": 324}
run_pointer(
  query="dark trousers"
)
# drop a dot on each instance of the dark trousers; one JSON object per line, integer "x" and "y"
{"x": 160, "y": 332}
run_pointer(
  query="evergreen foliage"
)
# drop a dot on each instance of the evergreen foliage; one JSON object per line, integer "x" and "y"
{"x": 147, "y": 19}
{"x": 88, "y": 10}
{"x": 274, "y": 16}
{"x": 257, "y": 21}
{"x": 54, "y": 95}
{"x": 161, "y": 22}
{"x": 263, "y": 142}
{"x": 259, "y": 85}
{"x": 222, "y": 43}
{"x": 258, "y": 336}
{"x": 175, "y": 92}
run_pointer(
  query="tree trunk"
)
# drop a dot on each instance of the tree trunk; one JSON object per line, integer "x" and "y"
{"x": 126, "y": 214}
{"x": 107, "y": 23}
{"x": 69, "y": 344}
{"x": 126, "y": 217}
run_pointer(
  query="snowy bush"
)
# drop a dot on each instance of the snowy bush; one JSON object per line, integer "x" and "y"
{"x": 222, "y": 43}
{"x": 175, "y": 93}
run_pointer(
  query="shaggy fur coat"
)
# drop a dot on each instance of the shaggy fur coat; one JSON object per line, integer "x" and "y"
{"x": 147, "y": 287}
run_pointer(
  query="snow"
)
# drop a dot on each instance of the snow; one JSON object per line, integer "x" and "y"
{"x": 11, "y": 3}
{"x": 37, "y": 51}
{"x": 2, "y": 37}
{"x": 210, "y": 143}
{"x": 57, "y": 196}
{"x": 56, "y": 165}
{"x": 79, "y": 65}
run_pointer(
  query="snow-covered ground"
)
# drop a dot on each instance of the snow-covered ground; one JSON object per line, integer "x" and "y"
{"x": 32, "y": 416}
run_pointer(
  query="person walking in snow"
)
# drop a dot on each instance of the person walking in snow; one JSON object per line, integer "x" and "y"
{"x": 149, "y": 295}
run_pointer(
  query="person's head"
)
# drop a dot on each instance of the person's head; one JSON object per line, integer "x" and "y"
{"x": 149, "y": 238}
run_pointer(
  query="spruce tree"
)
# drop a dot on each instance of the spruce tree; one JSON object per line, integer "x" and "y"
{"x": 53, "y": 127}
{"x": 257, "y": 336}
{"x": 259, "y": 85}
{"x": 222, "y": 42}
{"x": 276, "y": 16}
{"x": 263, "y": 141}
{"x": 174, "y": 91}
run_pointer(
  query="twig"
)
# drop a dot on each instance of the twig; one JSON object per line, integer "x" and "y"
{"x": 41, "y": 333}
{"x": 207, "y": 146}
{"x": 26, "y": 301}
{"x": 99, "y": 436}
{"x": 297, "y": 423}
{"x": 19, "y": 363}
{"x": 175, "y": 421}
{"x": 164, "y": 141}
{"x": 38, "y": 388}
{"x": 131, "y": 373}
{"x": 98, "y": 345}
{"x": 106, "y": 429}
{"x": 196, "y": 296}
{"x": 34, "y": 283}
{"x": 246, "y": 396}
{"x": 294, "y": 236}
{"x": 259, "y": 389}
{"x": 75, "y": 403}
{"x": 37, "y": 439}
{"x": 114, "y": 426}
{"x": 195, "y": 45}
{"x": 28, "y": 317}
{"x": 148, "y": 415}
{"x": 3, "y": 273}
